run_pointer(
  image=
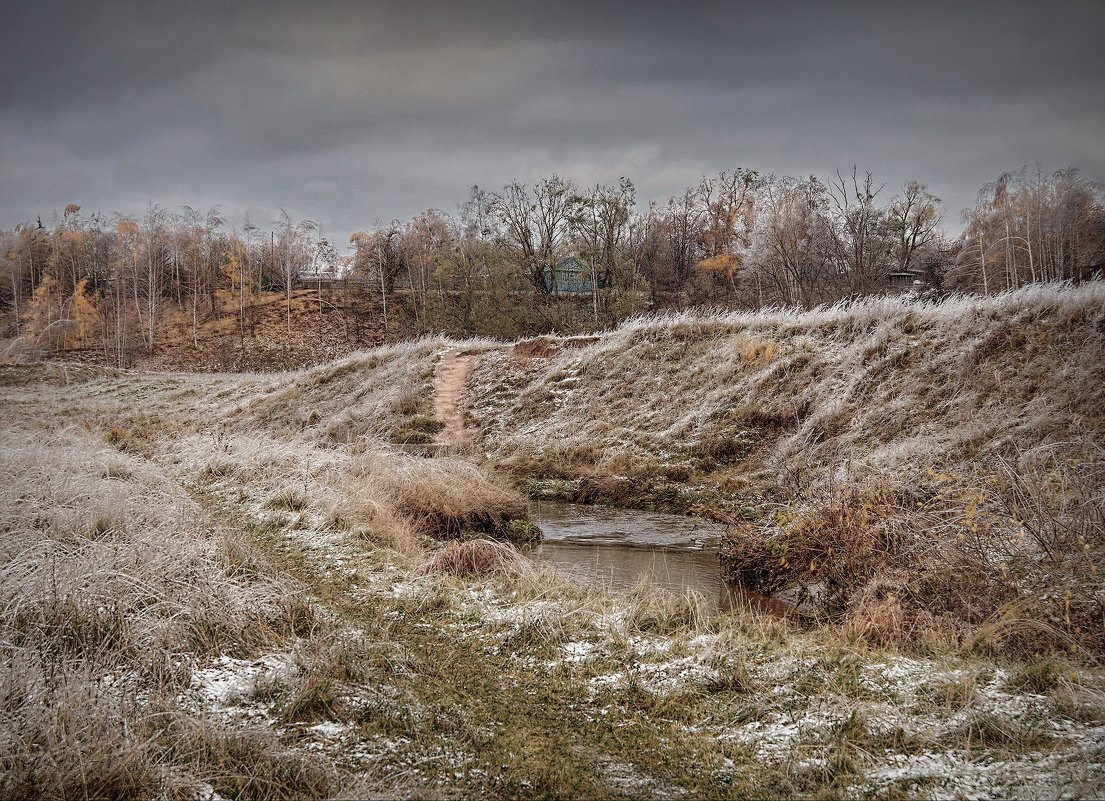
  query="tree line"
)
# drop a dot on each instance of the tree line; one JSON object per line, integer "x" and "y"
{"x": 739, "y": 239}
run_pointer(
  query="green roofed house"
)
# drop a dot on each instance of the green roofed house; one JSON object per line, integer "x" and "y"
{"x": 569, "y": 277}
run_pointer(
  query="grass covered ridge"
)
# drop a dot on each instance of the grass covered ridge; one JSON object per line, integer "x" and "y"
{"x": 882, "y": 383}
{"x": 916, "y": 468}
{"x": 244, "y": 584}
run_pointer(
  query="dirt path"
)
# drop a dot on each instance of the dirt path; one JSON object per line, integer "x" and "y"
{"x": 449, "y": 383}
{"x": 451, "y": 379}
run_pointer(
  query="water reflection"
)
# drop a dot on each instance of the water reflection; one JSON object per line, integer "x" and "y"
{"x": 607, "y": 525}
{"x": 619, "y": 548}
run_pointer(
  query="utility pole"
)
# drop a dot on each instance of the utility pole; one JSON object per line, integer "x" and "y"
{"x": 318, "y": 275}
{"x": 383, "y": 293}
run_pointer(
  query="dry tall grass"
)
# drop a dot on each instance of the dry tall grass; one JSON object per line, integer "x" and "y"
{"x": 112, "y": 583}
{"x": 476, "y": 558}
{"x": 1007, "y": 556}
{"x": 881, "y": 382}
{"x": 372, "y": 394}
{"x": 893, "y": 450}
{"x": 390, "y": 496}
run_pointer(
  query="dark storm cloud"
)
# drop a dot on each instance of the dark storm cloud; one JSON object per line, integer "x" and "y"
{"x": 356, "y": 111}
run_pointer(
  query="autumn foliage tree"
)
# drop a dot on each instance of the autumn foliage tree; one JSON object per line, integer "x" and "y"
{"x": 131, "y": 285}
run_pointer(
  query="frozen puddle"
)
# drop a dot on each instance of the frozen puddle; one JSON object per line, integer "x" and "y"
{"x": 620, "y": 548}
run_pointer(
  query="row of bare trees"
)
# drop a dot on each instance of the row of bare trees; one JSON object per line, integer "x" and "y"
{"x": 739, "y": 239}
{"x": 1031, "y": 227}
{"x": 106, "y": 282}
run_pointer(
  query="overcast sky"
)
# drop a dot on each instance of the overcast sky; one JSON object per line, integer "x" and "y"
{"x": 351, "y": 113}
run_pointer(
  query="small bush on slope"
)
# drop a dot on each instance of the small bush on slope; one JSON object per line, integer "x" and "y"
{"x": 476, "y": 558}
{"x": 1008, "y": 557}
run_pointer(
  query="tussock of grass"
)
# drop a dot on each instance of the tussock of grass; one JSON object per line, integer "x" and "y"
{"x": 481, "y": 557}
{"x": 544, "y": 625}
{"x": 391, "y": 497}
{"x": 442, "y": 497}
{"x": 656, "y": 610}
{"x": 1040, "y": 675}
{"x": 954, "y": 693}
{"x": 987, "y": 730}
{"x": 289, "y": 500}
{"x": 244, "y": 762}
{"x": 78, "y": 746}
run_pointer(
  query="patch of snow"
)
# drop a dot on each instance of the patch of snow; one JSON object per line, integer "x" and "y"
{"x": 579, "y": 651}
{"x": 330, "y": 730}
{"x": 962, "y": 775}
{"x": 229, "y": 679}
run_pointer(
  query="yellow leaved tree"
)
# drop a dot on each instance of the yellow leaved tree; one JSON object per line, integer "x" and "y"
{"x": 84, "y": 312}
{"x": 53, "y": 322}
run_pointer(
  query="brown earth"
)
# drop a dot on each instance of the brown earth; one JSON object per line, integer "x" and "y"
{"x": 223, "y": 340}
{"x": 449, "y": 384}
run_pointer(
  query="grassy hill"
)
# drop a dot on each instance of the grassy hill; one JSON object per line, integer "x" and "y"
{"x": 881, "y": 384}
{"x": 914, "y": 466}
{"x": 249, "y": 584}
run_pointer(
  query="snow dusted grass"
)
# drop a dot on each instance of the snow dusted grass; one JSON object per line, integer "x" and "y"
{"x": 330, "y": 662}
{"x": 933, "y": 471}
{"x": 889, "y": 382}
{"x": 113, "y": 584}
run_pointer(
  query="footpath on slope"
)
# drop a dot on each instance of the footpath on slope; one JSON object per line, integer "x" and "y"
{"x": 449, "y": 382}
{"x": 454, "y": 370}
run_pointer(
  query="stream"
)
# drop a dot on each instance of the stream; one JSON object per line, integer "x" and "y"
{"x": 619, "y": 548}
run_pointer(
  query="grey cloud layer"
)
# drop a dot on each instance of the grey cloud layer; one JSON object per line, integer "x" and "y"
{"x": 354, "y": 111}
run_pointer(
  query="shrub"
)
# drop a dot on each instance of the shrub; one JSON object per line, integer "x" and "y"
{"x": 476, "y": 558}
{"x": 443, "y": 497}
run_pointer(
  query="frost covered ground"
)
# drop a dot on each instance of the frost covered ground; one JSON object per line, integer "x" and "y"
{"x": 799, "y": 710}
{"x": 221, "y": 580}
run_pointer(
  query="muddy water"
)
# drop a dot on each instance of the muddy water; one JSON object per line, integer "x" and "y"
{"x": 619, "y": 548}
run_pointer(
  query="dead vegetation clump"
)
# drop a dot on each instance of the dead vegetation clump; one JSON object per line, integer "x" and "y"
{"x": 482, "y": 557}
{"x": 834, "y": 539}
{"x": 1006, "y": 558}
{"x": 442, "y": 498}
{"x": 239, "y": 762}
{"x": 655, "y": 610}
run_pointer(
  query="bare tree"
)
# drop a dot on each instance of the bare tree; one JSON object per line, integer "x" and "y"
{"x": 295, "y": 254}
{"x": 1025, "y": 229}
{"x": 600, "y": 224}
{"x": 794, "y": 245}
{"x": 862, "y": 232}
{"x": 536, "y": 225}
{"x": 728, "y": 203}
{"x": 914, "y": 218}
